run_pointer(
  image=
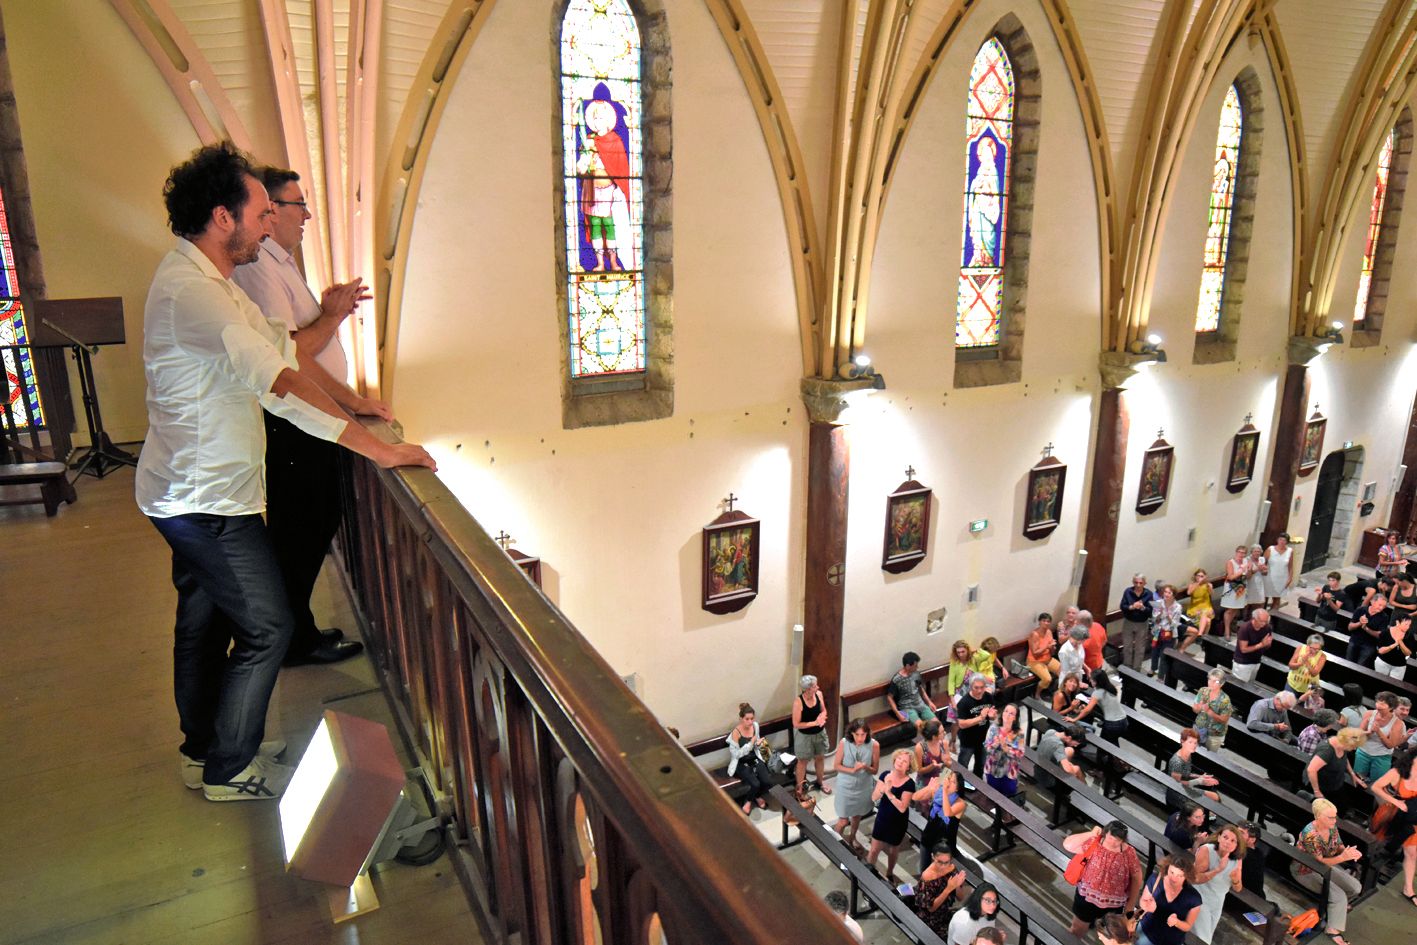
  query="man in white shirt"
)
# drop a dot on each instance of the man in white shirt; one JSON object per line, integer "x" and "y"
{"x": 212, "y": 363}
{"x": 302, "y": 471}
{"x": 841, "y": 905}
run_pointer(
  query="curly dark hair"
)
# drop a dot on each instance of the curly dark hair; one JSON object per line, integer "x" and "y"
{"x": 214, "y": 176}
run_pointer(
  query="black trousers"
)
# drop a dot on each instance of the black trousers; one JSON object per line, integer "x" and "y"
{"x": 302, "y": 516}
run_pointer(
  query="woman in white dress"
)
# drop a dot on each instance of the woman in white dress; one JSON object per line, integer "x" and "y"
{"x": 1217, "y": 873}
{"x": 1279, "y": 557}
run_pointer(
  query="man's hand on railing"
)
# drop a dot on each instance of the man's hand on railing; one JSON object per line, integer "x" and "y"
{"x": 370, "y": 407}
{"x": 404, "y": 454}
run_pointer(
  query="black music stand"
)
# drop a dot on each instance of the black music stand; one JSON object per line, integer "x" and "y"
{"x": 84, "y": 325}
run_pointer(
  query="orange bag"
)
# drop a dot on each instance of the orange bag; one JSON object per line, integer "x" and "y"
{"x": 1302, "y": 922}
{"x": 1073, "y": 874}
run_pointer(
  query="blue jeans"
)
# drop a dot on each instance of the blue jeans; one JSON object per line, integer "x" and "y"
{"x": 229, "y": 592}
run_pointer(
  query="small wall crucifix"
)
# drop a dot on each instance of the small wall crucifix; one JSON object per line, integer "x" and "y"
{"x": 1048, "y": 450}
{"x": 729, "y": 501}
{"x": 503, "y": 539}
{"x": 910, "y": 472}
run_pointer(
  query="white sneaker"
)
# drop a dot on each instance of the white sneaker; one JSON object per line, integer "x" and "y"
{"x": 192, "y": 768}
{"x": 261, "y": 780}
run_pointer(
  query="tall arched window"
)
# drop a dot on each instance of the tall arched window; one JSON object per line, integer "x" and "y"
{"x": 1375, "y": 228}
{"x": 1230, "y": 215}
{"x": 602, "y": 138}
{"x": 1222, "y": 207}
{"x": 613, "y": 212}
{"x": 989, "y": 129}
{"x": 23, "y": 389}
{"x": 1384, "y": 213}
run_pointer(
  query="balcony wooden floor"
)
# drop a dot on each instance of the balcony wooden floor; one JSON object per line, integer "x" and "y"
{"x": 101, "y": 841}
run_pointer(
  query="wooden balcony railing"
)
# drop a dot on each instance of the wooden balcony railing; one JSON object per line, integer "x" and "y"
{"x": 575, "y": 817}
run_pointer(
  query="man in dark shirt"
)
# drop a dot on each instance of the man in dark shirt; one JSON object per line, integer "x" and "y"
{"x": 1330, "y": 601}
{"x": 975, "y": 710}
{"x": 1252, "y": 866}
{"x": 1367, "y": 630}
{"x": 1253, "y": 640}
{"x": 1136, "y": 615}
{"x": 1357, "y": 594}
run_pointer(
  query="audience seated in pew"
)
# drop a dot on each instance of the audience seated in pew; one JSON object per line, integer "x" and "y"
{"x": 947, "y": 806}
{"x": 1383, "y": 731}
{"x": 1253, "y": 638}
{"x": 1072, "y": 655}
{"x": 1331, "y": 767}
{"x": 1213, "y": 711}
{"x": 745, "y": 745}
{"x": 1060, "y": 746}
{"x": 986, "y": 662}
{"x": 1324, "y": 724}
{"x": 1181, "y": 771}
{"x": 933, "y": 752}
{"x": 1068, "y": 699}
{"x": 1306, "y": 664}
{"x": 1170, "y": 902}
{"x": 1186, "y": 826}
{"x": 1217, "y": 874}
{"x": 838, "y": 902}
{"x": 1321, "y": 840}
{"x": 858, "y": 757}
{"x": 906, "y": 694}
{"x": 1111, "y": 877}
{"x": 940, "y": 886}
{"x": 1199, "y": 609}
{"x": 810, "y": 740}
{"x": 980, "y": 911}
{"x": 1041, "y": 646}
{"x": 894, "y": 792}
{"x": 1271, "y": 717}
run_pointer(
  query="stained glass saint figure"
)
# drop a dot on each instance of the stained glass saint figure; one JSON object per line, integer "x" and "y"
{"x": 988, "y": 150}
{"x": 603, "y": 167}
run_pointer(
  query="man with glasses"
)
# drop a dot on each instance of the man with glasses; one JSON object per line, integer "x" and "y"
{"x": 302, "y": 471}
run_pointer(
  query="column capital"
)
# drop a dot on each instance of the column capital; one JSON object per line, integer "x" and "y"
{"x": 826, "y": 399}
{"x": 1119, "y": 367}
{"x": 1304, "y": 350}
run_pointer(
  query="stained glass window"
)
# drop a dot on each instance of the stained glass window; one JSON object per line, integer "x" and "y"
{"x": 21, "y": 386}
{"x": 989, "y": 134}
{"x": 1222, "y": 207}
{"x": 1375, "y": 227}
{"x": 602, "y": 160}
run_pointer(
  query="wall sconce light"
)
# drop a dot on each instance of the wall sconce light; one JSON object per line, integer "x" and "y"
{"x": 859, "y": 368}
{"x": 1334, "y": 335}
{"x": 1150, "y": 348}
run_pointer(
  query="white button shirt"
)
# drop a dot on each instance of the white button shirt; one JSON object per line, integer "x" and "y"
{"x": 210, "y": 358}
{"x": 275, "y": 284}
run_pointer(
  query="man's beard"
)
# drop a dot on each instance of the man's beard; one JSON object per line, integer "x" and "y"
{"x": 241, "y": 251}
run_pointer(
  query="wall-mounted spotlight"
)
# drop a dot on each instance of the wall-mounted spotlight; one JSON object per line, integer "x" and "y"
{"x": 1150, "y": 348}
{"x": 1334, "y": 335}
{"x": 859, "y": 368}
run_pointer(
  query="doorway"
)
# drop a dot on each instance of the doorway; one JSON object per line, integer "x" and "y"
{"x": 1333, "y": 515}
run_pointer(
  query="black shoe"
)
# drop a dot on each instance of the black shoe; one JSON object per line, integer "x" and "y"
{"x": 326, "y": 653}
{"x": 332, "y": 635}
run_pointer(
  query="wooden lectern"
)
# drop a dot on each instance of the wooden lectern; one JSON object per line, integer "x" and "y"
{"x": 84, "y": 325}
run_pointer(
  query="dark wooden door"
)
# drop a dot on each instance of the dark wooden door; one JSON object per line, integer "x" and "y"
{"x": 1325, "y": 502}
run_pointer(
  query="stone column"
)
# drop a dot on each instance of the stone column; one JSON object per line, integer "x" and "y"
{"x": 828, "y": 468}
{"x": 1289, "y": 434}
{"x": 1109, "y": 466}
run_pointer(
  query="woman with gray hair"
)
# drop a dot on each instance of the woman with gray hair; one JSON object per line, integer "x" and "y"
{"x": 1321, "y": 840}
{"x": 809, "y": 733}
{"x": 1072, "y": 655}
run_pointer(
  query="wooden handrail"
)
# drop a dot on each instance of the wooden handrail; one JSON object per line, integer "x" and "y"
{"x": 571, "y": 805}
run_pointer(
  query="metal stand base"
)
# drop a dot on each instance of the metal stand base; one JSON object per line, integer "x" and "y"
{"x": 358, "y": 899}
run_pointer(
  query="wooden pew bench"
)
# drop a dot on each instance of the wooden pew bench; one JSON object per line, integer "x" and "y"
{"x": 52, "y": 479}
{"x": 1285, "y": 763}
{"x": 864, "y": 880}
{"x": 712, "y": 753}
